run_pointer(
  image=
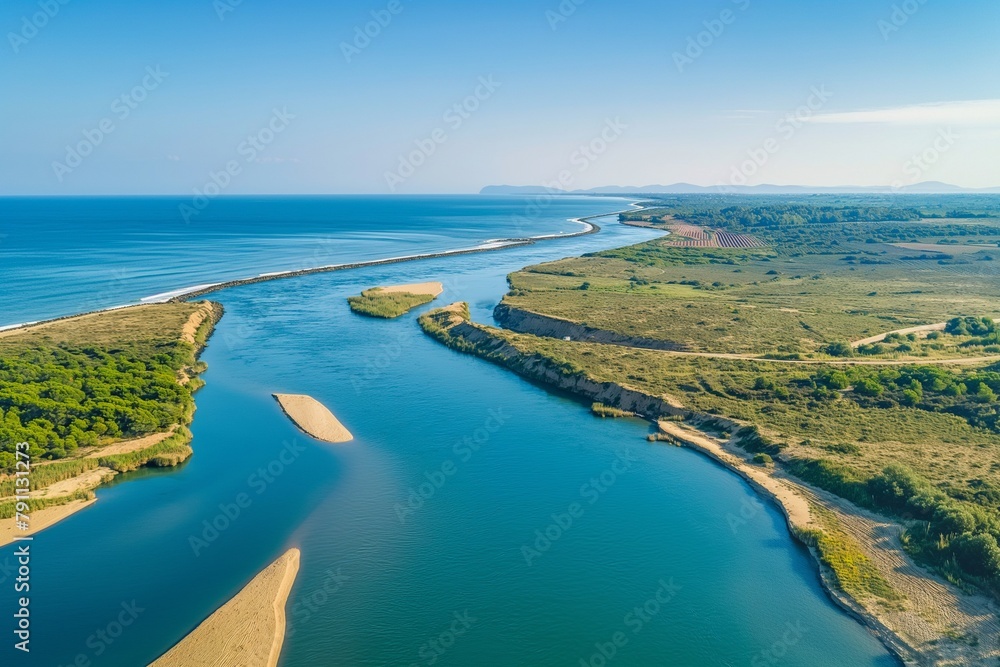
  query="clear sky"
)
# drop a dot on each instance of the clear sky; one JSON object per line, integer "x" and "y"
{"x": 120, "y": 96}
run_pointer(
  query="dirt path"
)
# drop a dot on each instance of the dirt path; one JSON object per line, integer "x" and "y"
{"x": 957, "y": 361}
{"x": 82, "y": 482}
{"x": 940, "y": 326}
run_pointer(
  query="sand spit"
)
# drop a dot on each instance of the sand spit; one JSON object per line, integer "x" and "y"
{"x": 248, "y": 630}
{"x": 493, "y": 244}
{"x": 430, "y": 289}
{"x": 314, "y": 418}
{"x": 85, "y": 481}
{"x": 41, "y": 519}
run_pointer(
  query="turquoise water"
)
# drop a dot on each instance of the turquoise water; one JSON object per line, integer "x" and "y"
{"x": 386, "y": 582}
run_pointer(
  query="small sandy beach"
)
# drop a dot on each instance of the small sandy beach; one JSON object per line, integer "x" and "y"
{"x": 249, "y": 630}
{"x": 41, "y": 519}
{"x": 313, "y": 418}
{"x": 431, "y": 289}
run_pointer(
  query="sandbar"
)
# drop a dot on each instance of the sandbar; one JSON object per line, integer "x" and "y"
{"x": 431, "y": 289}
{"x": 313, "y": 418}
{"x": 248, "y": 630}
{"x": 41, "y": 519}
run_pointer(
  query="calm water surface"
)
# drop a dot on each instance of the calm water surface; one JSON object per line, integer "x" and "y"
{"x": 498, "y": 462}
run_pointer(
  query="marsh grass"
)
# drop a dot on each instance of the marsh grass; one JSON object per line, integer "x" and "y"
{"x": 378, "y": 303}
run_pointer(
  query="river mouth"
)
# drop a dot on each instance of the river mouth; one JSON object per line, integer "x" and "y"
{"x": 404, "y": 562}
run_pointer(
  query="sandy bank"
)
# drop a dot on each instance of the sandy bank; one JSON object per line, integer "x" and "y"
{"x": 313, "y": 418}
{"x": 934, "y": 623}
{"x": 248, "y": 630}
{"x": 41, "y": 519}
{"x": 929, "y": 626}
{"x": 85, "y": 481}
{"x": 190, "y": 328}
{"x": 795, "y": 506}
{"x": 430, "y": 289}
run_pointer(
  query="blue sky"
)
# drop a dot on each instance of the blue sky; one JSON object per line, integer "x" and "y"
{"x": 104, "y": 96}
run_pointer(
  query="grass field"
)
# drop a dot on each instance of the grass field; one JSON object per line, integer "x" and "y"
{"x": 378, "y": 303}
{"x": 796, "y": 297}
{"x": 919, "y": 439}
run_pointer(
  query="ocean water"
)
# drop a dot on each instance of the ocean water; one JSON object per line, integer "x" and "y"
{"x": 476, "y": 519}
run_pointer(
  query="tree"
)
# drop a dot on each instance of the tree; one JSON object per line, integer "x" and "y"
{"x": 840, "y": 349}
{"x": 838, "y": 380}
{"x": 869, "y": 387}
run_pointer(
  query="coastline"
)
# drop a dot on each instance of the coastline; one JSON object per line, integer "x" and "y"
{"x": 249, "y": 629}
{"x": 913, "y": 636}
{"x": 188, "y": 293}
{"x": 76, "y": 493}
{"x": 489, "y": 246}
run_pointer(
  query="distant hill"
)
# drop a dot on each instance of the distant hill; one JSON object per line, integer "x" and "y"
{"x": 927, "y": 187}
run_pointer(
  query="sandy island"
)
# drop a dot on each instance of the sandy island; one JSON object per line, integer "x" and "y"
{"x": 313, "y": 418}
{"x": 248, "y": 630}
{"x": 430, "y": 289}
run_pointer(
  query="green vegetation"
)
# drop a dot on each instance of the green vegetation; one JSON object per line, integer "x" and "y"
{"x": 8, "y": 508}
{"x": 60, "y": 392}
{"x": 774, "y": 215}
{"x": 605, "y": 411}
{"x": 164, "y": 454}
{"x": 853, "y": 570}
{"x": 71, "y": 387}
{"x": 809, "y": 294}
{"x": 46, "y": 475}
{"x": 378, "y": 303}
{"x": 917, "y": 439}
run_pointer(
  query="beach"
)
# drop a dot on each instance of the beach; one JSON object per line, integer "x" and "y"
{"x": 313, "y": 418}
{"x": 429, "y": 289}
{"x": 248, "y": 630}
